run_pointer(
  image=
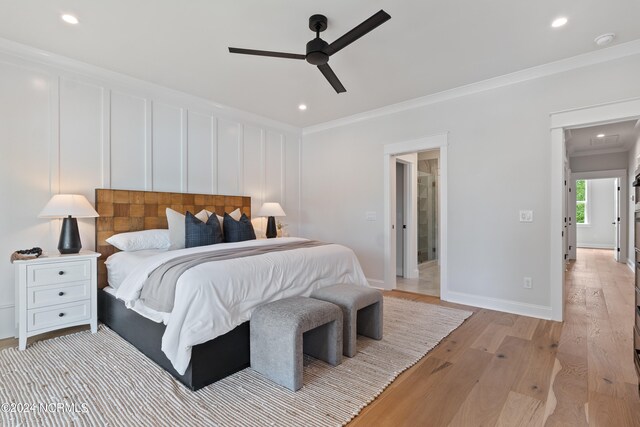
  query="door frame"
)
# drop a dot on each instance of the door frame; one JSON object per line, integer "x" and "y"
{"x": 581, "y": 117}
{"x": 432, "y": 142}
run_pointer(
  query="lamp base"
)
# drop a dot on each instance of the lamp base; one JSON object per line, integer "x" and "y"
{"x": 69, "y": 242}
{"x": 271, "y": 228}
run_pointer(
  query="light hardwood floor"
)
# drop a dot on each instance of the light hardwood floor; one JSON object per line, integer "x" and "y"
{"x": 501, "y": 369}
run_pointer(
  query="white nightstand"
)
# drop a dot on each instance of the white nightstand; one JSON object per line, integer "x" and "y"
{"x": 55, "y": 292}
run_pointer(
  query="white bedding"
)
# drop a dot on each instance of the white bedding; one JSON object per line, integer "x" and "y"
{"x": 120, "y": 264}
{"x": 213, "y": 298}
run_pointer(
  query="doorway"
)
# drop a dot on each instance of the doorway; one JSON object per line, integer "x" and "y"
{"x": 417, "y": 222}
{"x": 415, "y": 240}
{"x": 561, "y": 122}
{"x": 598, "y": 217}
{"x": 598, "y": 213}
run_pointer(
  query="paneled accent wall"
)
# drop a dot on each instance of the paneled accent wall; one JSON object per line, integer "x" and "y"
{"x": 75, "y": 128}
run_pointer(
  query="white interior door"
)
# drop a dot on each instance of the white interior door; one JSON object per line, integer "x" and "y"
{"x": 616, "y": 220}
{"x": 400, "y": 219}
{"x": 565, "y": 213}
{"x": 571, "y": 213}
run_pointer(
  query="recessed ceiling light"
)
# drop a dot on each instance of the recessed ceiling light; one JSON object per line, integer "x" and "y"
{"x": 600, "y": 135}
{"x": 70, "y": 19}
{"x": 559, "y": 22}
{"x": 302, "y": 107}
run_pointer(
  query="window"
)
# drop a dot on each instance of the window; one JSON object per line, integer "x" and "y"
{"x": 582, "y": 200}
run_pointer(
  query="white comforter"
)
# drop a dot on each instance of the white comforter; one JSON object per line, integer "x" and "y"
{"x": 213, "y": 298}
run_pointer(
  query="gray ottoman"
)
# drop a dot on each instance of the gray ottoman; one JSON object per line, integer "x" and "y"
{"x": 281, "y": 330}
{"x": 361, "y": 310}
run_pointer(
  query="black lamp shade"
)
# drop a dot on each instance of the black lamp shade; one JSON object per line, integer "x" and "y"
{"x": 271, "y": 228}
{"x": 69, "y": 242}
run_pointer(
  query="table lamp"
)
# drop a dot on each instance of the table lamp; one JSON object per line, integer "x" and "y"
{"x": 69, "y": 207}
{"x": 271, "y": 210}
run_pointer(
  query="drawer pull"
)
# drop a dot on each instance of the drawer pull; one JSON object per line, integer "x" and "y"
{"x": 60, "y": 273}
{"x": 61, "y": 315}
{"x": 60, "y": 294}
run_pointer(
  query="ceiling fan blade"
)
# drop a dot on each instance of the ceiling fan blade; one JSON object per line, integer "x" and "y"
{"x": 377, "y": 19}
{"x": 331, "y": 76}
{"x": 266, "y": 53}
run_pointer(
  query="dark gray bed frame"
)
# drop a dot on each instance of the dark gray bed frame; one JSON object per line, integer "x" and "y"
{"x": 210, "y": 361}
{"x": 126, "y": 210}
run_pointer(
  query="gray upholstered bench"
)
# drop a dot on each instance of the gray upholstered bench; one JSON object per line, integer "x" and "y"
{"x": 361, "y": 310}
{"x": 282, "y": 330}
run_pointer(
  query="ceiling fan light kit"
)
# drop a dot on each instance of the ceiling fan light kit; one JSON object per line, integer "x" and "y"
{"x": 318, "y": 51}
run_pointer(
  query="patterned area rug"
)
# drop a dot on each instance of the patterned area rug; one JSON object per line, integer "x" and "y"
{"x": 89, "y": 379}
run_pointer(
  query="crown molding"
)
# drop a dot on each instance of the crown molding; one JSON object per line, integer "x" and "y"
{"x": 10, "y": 51}
{"x": 584, "y": 153}
{"x": 563, "y": 65}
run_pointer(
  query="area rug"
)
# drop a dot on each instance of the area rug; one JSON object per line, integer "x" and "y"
{"x": 99, "y": 379}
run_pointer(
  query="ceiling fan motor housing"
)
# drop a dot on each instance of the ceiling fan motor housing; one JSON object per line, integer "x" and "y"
{"x": 315, "y": 52}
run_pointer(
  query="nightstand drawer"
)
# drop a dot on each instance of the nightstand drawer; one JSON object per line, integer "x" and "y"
{"x": 41, "y": 296}
{"x": 58, "y": 272}
{"x": 41, "y": 318}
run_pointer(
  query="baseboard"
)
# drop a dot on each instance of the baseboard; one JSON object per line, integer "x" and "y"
{"x": 7, "y": 328}
{"x": 595, "y": 246}
{"x": 523, "y": 309}
{"x": 631, "y": 266}
{"x": 378, "y": 284}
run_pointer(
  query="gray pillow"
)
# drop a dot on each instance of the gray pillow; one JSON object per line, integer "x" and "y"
{"x": 238, "y": 231}
{"x": 198, "y": 233}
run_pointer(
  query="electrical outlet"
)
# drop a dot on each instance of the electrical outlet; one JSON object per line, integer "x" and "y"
{"x": 371, "y": 216}
{"x": 528, "y": 282}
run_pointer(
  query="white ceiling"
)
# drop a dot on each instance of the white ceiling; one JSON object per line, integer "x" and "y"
{"x": 618, "y": 137}
{"x": 427, "y": 46}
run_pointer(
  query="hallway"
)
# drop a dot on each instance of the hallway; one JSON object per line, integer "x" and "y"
{"x": 594, "y": 366}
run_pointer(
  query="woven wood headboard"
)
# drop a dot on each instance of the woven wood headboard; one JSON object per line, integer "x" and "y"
{"x": 123, "y": 210}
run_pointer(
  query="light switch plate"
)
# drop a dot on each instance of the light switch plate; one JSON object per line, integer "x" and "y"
{"x": 526, "y": 216}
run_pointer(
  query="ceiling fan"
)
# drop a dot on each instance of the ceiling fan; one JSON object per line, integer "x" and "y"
{"x": 319, "y": 51}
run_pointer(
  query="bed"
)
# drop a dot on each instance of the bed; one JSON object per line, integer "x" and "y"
{"x": 234, "y": 287}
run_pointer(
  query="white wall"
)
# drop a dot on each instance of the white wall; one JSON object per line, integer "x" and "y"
{"x": 598, "y": 162}
{"x": 74, "y": 128}
{"x": 498, "y": 163}
{"x": 599, "y": 232}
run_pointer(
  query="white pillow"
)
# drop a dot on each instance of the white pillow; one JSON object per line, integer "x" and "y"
{"x": 236, "y": 214}
{"x": 177, "y": 228}
{"x": 141, "y": 240}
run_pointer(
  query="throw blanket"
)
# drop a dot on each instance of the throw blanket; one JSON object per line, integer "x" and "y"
{"x": 158, "y": 291}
